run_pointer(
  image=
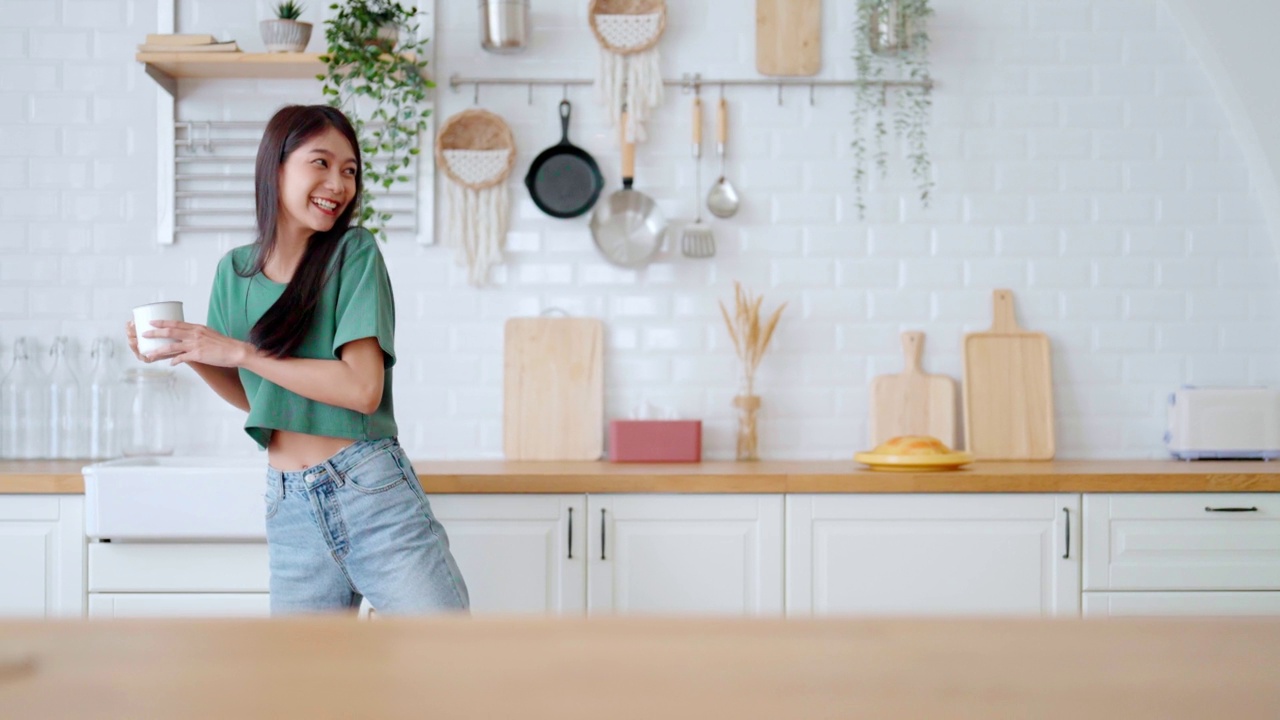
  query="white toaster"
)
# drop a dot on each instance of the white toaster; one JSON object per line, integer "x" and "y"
{"x": 1224, "y": 423}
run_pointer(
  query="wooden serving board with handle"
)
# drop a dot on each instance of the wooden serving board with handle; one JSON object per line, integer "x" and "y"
{"x": 912, "y": 402}
{"x": 553, "y": 389}
{"x": 1008, "y": 389}
{"x": 788, "y": 37}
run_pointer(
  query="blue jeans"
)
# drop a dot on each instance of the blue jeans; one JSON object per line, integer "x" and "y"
{"x": 358, "y": 525}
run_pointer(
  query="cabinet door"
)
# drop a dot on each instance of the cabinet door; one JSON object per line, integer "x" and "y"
{"x": 1205, "y": 604}
{"x": 41, "y": 556}
{"x": 519, "y": 554}
{"x": 933, "y": 554}
{"x": 699, "y": 554}
{"x": 185, "y": 605}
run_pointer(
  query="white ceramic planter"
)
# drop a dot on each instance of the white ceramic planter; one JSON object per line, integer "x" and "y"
{"x": 285, "y": 35}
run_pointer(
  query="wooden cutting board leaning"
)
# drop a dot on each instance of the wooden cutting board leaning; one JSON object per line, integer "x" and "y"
{"x": 788, "y": 37}
{"x": 913, "y": 402}
{"x": 1008, "y": 389}
{"x": 553, "y": 389}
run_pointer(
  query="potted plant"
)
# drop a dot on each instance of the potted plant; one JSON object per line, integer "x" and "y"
{"x": 372, "y": 72}
{"x": 892, "y": 45}
{"x": 286, "y": 33}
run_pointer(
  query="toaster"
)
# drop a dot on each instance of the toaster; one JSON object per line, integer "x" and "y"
{"x": 1224, "y": 423}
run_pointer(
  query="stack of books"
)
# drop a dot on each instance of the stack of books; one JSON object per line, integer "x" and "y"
{"x": 170, "y": 43}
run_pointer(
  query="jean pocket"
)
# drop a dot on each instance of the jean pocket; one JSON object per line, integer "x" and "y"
{"x": 377, "y": 473}
{"x": 271, "y": 498}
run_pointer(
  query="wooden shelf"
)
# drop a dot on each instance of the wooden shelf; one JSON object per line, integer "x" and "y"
{"x": 167, "y": 68}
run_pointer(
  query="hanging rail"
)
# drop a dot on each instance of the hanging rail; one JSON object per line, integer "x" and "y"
{"x": 687, "y": 82}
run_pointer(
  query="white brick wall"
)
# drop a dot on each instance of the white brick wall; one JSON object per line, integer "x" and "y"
{"x": 1081, "y": 159}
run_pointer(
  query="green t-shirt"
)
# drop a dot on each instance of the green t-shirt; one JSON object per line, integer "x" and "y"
{"x": 355, "y": 302}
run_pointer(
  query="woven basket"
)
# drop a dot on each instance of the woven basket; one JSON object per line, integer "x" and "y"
{"x": 476, "y": 149}
{"x": 627, "y": 26}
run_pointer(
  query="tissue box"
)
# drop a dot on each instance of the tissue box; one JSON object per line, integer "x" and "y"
{"x": 655, "y": 440}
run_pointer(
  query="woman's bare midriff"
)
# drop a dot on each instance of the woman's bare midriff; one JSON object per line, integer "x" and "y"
{"x": 289, "y": 451}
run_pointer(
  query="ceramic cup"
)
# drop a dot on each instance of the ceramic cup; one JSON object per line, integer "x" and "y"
{"x": 144, "y": 314}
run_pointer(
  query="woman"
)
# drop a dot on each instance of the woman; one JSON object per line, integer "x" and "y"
{"x": 300, "y": 335}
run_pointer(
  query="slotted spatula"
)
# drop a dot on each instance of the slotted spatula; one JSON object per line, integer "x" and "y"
{"x": 697, "y": 241}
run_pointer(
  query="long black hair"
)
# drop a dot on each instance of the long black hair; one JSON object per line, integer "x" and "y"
{"x": 284, "y": 326}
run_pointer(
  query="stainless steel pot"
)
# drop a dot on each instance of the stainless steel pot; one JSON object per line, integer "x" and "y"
{"x": 504, "y": 25}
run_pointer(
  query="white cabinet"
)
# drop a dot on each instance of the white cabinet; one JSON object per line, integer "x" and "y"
{"x": 1182, "y": 554}
{"x": 518, "y": 553}
{"x": 570, "y": 554}
{"x": 685, "y": 554}
{"x": 41, "y": 556}
{"x": 134, "y": 605}
{"x": 933, "y": 554}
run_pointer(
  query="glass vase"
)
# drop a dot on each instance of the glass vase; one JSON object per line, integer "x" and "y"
{"x": 24, "y": 406}
{"x": 748, "y": 408}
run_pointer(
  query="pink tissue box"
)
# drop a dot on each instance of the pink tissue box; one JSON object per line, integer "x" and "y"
{"x": 655, "y": 440}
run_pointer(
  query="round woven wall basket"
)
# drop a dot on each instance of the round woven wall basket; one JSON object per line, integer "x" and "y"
{"x": 627, "y": 26}
{"x": 476, "y": 149}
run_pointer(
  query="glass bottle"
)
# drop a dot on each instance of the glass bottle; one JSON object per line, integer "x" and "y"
{"x": 151, "y": 408}
{"x": 24, "y": 406}
{"x": 66, "y": 414}
{"x": 104, "y": 402}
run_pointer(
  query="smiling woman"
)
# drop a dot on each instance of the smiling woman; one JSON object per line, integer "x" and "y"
{"x": 301, "y": 335}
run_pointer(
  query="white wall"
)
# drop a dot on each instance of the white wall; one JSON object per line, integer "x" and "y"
{"x": 1082, "y": 159}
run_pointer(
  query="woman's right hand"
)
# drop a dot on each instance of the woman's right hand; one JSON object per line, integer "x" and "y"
{"x": 131, "y": 332}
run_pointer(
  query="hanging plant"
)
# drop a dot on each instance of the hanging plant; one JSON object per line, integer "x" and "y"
{"x": 891, "y": 43}
{"x": 372, "y": 72}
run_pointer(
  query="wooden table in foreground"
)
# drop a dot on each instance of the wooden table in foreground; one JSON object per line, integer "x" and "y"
{"x": 603, "y": 669}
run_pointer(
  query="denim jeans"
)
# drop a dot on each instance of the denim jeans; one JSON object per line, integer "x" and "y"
{"x": 358, "y": 525}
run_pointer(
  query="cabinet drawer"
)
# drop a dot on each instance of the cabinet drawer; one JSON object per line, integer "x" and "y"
{"x": 177, "y": 567}
{"x": 1227, "y": 541}
{"x": 183, "y": 605}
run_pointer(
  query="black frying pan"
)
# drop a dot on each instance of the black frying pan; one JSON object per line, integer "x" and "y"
{"x": 564, "y": 181}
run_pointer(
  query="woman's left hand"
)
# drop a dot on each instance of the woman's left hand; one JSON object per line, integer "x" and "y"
{"x": 197, "y": 343}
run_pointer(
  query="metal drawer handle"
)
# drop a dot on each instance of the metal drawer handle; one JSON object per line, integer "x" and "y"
{"x": 570, "y": 533}
{"x": 1231, "y": 509}
{"x": 602, "y": 534}
{"x": 1066, "y": 516}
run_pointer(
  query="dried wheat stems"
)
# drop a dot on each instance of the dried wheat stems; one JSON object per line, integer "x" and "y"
{"x": 750, "y": 340}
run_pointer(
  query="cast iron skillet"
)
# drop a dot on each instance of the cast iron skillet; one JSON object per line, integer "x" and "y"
{"x": 564, "y": 180}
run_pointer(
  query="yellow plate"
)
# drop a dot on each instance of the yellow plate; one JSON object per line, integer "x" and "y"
{"x": 914, "y": 463}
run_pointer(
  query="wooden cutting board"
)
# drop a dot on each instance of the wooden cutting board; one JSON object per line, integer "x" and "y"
{"x": 788, "y": 37}
{"x": 912, "y": 402}
{"x": 1008, "y": 389}
{"x": 553, "y": 389}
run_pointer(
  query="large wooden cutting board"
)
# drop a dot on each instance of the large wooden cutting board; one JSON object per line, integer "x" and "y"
{"x": 1008, "y": 389}
{"x": 553, "y": 389}
{"x": 913, "y": 402}
{"x": 788, "y": 37}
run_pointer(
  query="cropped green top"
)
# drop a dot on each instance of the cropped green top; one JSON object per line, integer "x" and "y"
{"x": 355, "y": 302}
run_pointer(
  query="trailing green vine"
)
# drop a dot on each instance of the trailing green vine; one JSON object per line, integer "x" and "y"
{"x": 376, "y": 78}
{"x": 875, "y": 63}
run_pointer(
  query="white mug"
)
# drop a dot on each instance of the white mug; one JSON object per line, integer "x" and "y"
{"x": 144, "y": 314}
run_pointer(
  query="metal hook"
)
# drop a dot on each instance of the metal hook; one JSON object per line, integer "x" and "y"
{"x": 564, "y": 91}
{"x": 530, "y": 93}
{"x": 208, "y": 136}
{"x": 779, "y": 94}
{"x": 475, "y": 98}
{"x": 721, "y": 91}
{"x": 810, "y": 94}
{"x": 884, "y": 95}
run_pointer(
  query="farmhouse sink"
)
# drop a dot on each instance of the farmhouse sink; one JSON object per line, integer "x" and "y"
{"x": 176, "y": 498}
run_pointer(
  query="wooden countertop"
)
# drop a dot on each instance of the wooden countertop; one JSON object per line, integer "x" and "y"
{"x": 497, "y": 476}
{"x": 642, "y": 668}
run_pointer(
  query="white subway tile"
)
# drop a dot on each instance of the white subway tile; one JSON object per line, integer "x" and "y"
{"x": 1057, "y": 17}
{"x": 1124, "y": 337}
{"x": 1188, "y": 144}
{"x": 1223, "y": 241}
{"x": 1185, "y": 274}
{"x": 1091, "y": 175}
{"x": 1129, "y": 208}
{"x": 1188, "y": 208}
{"x": 1221, "y": 369}
{"x": 1124, "y": 81}
{"x": 899, "y": 306}
{"x": 1061, "y": 273}
{"x": 1219, "y": 178}
{"x": 1247, "y": 273}
{"x": 1219, "y": 305}
{"x": 1100, "y": 48}
{"x": 1126, "y": 274}
{"x": 1157, "y": 305}
{"x": 995, "y": 145}
{"x": 995, "y": 209}
{"x": 1061, "y": 81}
{"x": 1161, "y": 369}
{"x": 803, "y": 273}
{"x": 1028, "y": 177}
{"x": 1061, "y": 209}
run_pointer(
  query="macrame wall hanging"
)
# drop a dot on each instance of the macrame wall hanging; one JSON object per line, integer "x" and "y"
{"x": 628, "y": 32}
{"x": 476, "y": 150}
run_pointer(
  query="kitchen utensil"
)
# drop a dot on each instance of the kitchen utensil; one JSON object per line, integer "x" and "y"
{"x": 912, "y": 402}
{"x": 1008, "y": 389}
{"x": 564, "y": 181}
{"x": 504, "y": 25}
{"x": 630, "y": 75}
{"x": 788, "y": 37}
{"x": 697, "y": 240}
{"x": 722, "y": 200}
{"x": 476, "y": 150}
{"x": 913, "y": 453}
{"x": 628, "y": 226}
{"x": 553, "y": 389}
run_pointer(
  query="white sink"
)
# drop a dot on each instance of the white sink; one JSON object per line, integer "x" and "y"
{"x": 176, "y": 498}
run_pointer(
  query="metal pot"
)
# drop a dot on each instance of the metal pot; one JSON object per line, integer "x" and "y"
{"x": 504, "y": 25}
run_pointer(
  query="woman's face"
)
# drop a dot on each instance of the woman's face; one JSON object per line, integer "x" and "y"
{"x": 317, "y": 182}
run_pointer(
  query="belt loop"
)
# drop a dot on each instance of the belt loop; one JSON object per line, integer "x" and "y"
{"x": 338, "y": 479}
{"x": 283, "y": 483}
